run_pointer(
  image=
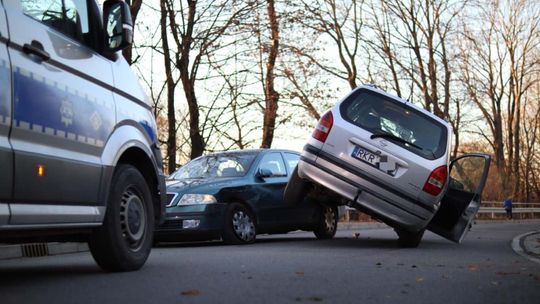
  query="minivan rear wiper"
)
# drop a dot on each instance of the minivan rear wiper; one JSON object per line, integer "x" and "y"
{"x": 393, "y": 137}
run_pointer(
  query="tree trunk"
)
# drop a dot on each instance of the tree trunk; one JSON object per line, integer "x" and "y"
{"x": 271, "y": 96}
{"x": 134, "y": 10}
{"x": 171, "y": 117}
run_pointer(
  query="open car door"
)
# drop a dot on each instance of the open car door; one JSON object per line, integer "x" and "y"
{"x": 463, "y": 196}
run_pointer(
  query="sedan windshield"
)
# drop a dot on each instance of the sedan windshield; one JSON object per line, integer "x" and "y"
{"x": 216, "y": 165}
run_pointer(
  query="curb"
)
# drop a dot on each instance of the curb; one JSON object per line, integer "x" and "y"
{"x": 523, "y": 245}
{"x": 8, "y": 251}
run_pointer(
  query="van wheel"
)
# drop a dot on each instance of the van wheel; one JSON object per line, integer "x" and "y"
{"x": 239, "y": 225}
{"x": 328, "y": 221}
{"x": 124, "y": 241}
{"x": 408, "y": 239}
{"x": 296, "y": 189}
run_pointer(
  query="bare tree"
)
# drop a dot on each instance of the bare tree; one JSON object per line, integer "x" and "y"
{"x": 270, "y": 94}
{"x": 196, "y": 28}
{"x": 134, "y": 8}
{"x": 499, "y": 65}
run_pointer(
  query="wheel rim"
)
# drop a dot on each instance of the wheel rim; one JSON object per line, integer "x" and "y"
{"x": 243, "y": 226}
{"x": 132, "y": 219}
{"x": 329, "y": 219}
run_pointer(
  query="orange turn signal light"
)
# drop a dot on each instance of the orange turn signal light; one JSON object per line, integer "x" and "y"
{"x": 40, "y": 170}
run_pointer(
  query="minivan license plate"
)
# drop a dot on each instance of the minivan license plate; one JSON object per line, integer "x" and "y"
{"x": 366, "y": 156}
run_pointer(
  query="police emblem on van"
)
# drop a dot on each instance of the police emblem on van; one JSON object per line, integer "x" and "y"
{"x": 66, "y": 112}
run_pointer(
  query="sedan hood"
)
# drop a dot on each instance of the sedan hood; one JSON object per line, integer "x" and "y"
{"x": 199, "y": 185}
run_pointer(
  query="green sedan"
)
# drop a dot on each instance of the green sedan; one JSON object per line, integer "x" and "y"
{"x": 236, "y": 195}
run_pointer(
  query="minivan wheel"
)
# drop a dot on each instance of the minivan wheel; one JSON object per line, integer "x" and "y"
{"x": 124, "y": 241}
{"x": 328, "y": 221}
{"x": 296, "y": 189}
{"x": 239, "y": 225}
{"x": 408, "y": 239}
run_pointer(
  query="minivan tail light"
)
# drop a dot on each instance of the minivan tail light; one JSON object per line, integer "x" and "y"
{"x": 436, "y": 180}
{"x": 323, "y": 127}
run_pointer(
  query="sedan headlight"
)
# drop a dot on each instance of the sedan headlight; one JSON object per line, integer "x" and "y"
{"x": 196, "y": 199}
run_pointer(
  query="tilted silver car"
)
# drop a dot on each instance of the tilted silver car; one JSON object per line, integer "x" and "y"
{"x": 391, "y": 159}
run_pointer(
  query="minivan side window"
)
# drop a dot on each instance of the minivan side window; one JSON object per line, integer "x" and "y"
{"x": 69, "y": 17}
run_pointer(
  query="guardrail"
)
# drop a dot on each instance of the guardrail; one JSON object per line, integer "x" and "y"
{"x": 489, "y": 210}
{"x": 495, "y": 210}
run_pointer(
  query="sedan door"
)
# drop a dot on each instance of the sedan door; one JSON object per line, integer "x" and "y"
{"x": 462, "y": 200}
{"x": 6, "y": 154}
{"x": 270, "y": 188}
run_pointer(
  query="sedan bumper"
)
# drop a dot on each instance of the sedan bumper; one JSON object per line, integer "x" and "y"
{"x": 192, "y": 223}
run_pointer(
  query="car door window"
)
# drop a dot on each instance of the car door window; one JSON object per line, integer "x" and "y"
{"x": 274, "y": 163}
{"x": 292, "y": 160}
{"x": 69, "y": 17}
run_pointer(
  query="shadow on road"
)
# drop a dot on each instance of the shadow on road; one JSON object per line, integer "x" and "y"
{"x": 310, "y": 242}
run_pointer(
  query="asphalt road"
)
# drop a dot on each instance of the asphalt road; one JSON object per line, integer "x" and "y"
{"x": 294, "y": 268}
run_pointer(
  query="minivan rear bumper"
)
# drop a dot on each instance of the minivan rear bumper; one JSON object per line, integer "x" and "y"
{"x": 364, "y": 193}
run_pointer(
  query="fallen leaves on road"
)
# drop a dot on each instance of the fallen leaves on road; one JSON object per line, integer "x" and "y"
{"x": 419, "y": 280}
{"x": 300, "y": 273}
{"x": 191, "y": 292}
{"x": 502, "y": 273}
{"x": 473, "y": 267}
{"x": 311, "y": 299}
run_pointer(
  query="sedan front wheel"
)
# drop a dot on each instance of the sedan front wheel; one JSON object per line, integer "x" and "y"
{"x": 239, "y": 225}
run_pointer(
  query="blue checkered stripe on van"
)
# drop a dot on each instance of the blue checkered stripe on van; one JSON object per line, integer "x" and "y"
{"x": 55, "y": 109}
{"x": 5, "y": 94}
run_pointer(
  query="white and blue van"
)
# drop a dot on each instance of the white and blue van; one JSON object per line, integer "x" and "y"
{"x": 79, "y": 154}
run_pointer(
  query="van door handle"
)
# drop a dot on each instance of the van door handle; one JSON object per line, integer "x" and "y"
{"x": 36, "y": 48}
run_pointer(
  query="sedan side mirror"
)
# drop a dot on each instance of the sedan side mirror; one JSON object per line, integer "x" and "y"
{"x": 118, "y": 25}
{"x": 264, "y": 173}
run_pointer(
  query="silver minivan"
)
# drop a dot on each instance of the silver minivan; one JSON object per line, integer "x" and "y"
{"x": 391, "y": 159}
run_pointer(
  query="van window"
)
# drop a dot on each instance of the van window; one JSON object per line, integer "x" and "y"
{"x": 379, "y": 114}
{"x": 69, "y": 17}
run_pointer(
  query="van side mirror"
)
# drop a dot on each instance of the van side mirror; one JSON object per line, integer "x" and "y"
{"x": 118, "y": 25}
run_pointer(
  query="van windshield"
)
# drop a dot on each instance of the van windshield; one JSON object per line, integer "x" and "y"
{"x": 396, "y": 122}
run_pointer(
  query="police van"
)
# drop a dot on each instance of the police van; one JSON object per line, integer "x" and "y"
{"x": 79, "y": 154}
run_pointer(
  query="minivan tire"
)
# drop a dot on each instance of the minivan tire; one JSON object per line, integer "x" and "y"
{"x": 296, "y": 189}
{"x": 409, "y": 239}
{"x": 124, "y": 241}
{"x": 328, "y": 221}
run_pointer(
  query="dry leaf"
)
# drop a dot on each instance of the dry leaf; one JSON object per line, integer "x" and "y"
{"x": 191, "y": 292}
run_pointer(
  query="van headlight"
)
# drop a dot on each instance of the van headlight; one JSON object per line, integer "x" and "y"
{"x": 196, "y": 199}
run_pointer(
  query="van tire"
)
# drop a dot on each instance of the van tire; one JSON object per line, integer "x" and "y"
{"x": 125, "y": 239}
{"x": 409, "y": 239}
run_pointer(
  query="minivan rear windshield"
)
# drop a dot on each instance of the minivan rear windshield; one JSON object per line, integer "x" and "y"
{"x": 396, "y": 122}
